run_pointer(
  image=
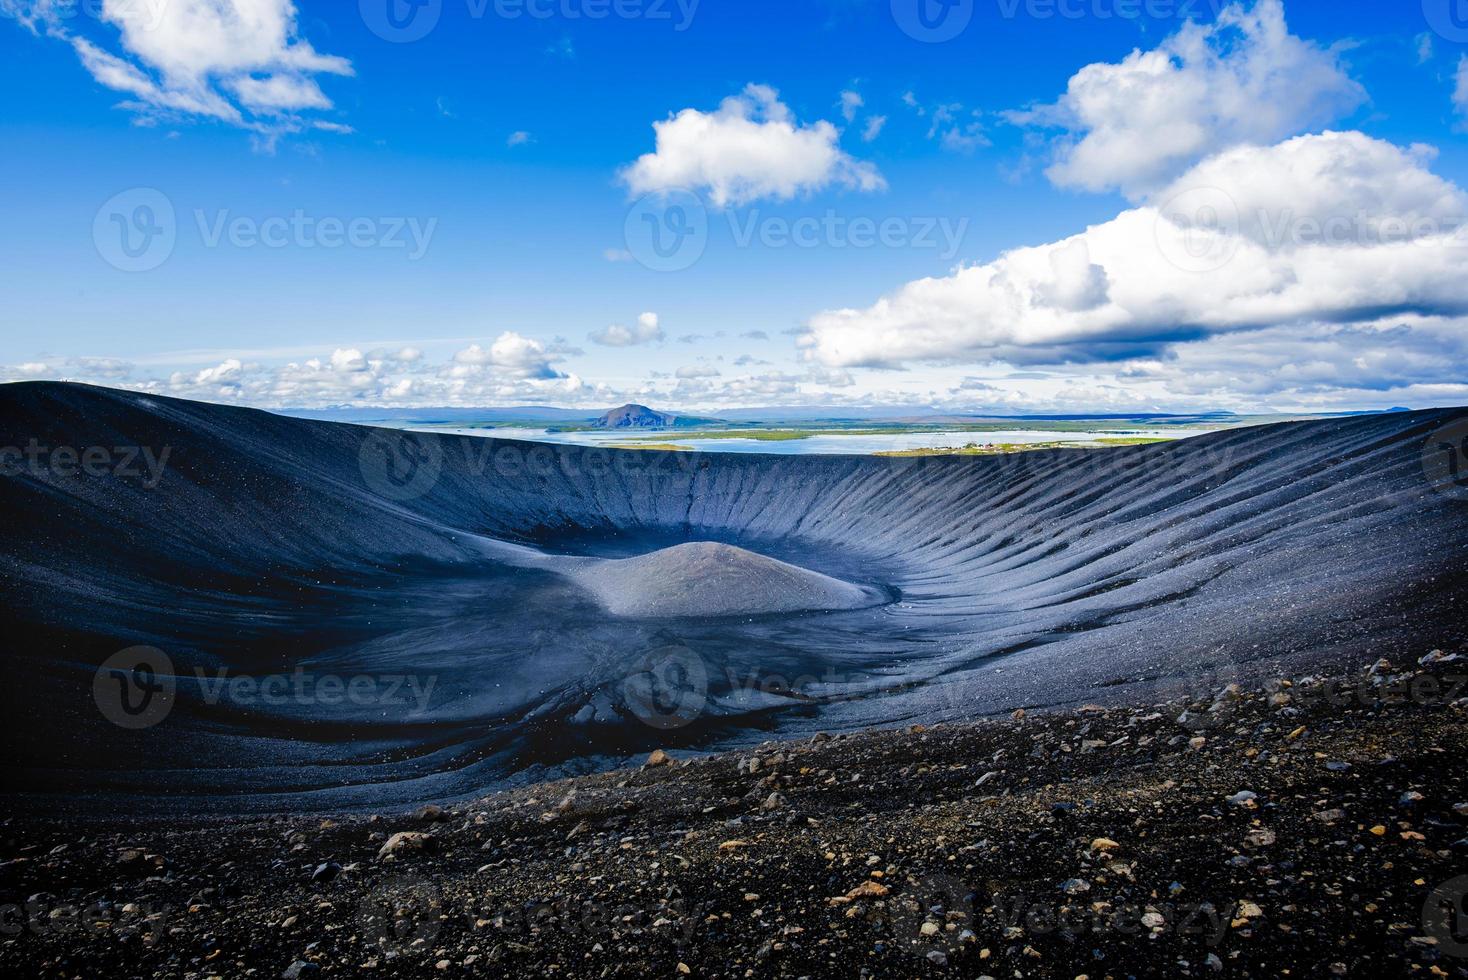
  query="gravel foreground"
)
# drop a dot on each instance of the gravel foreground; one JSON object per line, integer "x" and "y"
{"x": 1306, "y": 828}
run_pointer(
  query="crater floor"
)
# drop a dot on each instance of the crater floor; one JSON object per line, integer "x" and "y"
{"x": 708, "y": 579}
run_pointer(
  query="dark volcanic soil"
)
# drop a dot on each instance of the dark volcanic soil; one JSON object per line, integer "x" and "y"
{"x": 1305, "y": 829}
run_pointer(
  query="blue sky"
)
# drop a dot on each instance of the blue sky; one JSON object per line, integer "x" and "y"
{"x": 492, "y": 168}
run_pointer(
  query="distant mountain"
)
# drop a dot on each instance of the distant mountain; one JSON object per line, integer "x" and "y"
{"x": 635, "y": 417}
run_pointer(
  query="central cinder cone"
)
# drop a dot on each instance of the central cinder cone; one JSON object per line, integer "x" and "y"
{"x": 705, "y": 578}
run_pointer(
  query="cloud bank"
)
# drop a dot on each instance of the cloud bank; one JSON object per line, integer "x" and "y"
{"x": 1330, "y": 228}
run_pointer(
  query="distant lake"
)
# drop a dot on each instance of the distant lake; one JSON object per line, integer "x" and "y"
{"x": 856, "y": 444}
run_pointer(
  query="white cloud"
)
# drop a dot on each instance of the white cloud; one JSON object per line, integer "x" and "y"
{"x": 1138, "y": 124}
{"x": 276, "y": 93}
{"x": 224, "y": 373}
{"x": 511, "y": 354}
{"x": 697, "y": 371}
{"x": 821, "y": 375}
{"x": 1076, "y": 283}
{"x": 1424, "y": 47}
{"x": 239, "y": 61}
{"x": 873, "y": 128}
{"x": 850, "y": 102}
{"x": 348, "y": 360}
{"x": 511, "y": 369}
{"x": 647, "y": 331}
{"x": 1460, "y": 95}
{"x": 1315, "y": 362}
{"x": 519, "y": 138}
{"x": 957, "y": 130}
{"x": 1334, "y": 228}
{"x": 750, "y": 148}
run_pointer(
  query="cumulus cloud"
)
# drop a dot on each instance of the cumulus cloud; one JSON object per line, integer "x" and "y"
{"x": 646, "y": 331}
{"x": 1138, "y": 124}
{"x": 510, "y": 354}
{"x": 750, "y": 148}
{"x": 242, "y": 62}
{"x": 1332, "y": 228}
{"x": 850, "y": 103}
{"x": 873, "y": 128}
